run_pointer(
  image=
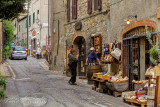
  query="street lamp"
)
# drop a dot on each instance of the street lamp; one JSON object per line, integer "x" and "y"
{"x": 129, "y": 18}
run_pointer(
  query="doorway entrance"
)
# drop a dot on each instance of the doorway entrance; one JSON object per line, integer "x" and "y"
{"x": 80, "y": 45}
{"x": 135, "y": 54}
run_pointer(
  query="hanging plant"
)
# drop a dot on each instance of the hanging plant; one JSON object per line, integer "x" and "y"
{"x": 155, "y": 49}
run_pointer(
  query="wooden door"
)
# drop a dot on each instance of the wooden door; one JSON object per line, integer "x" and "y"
{"x": 82, "y": 57}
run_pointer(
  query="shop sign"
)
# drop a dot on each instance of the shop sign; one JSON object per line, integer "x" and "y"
{"x": 34, "y": 33}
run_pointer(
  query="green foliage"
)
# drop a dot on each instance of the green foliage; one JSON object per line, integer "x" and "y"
{"x": 10, "y": 9}
{"x": 8, "y": 38}
{"x": 155, "y": 50}
{"x": 2, "y": 94}
{"x": 3, "y": 83}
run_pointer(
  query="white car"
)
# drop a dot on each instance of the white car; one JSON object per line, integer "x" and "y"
{"x": 18, "y": 52}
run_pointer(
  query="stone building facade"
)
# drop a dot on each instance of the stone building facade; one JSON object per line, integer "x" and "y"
{"x": 144, "y": 9}
{"x": 57, "y": 32}
{"x": 38, "y": 24}
{"x": 135, "y": 46}
{"x": 86, "y": 19}
{"x": 64, "y": 36}
{"x": 22, "y": 32}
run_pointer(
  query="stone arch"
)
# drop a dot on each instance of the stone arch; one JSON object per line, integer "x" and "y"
{"x": 77, "y": 35}
{"x": 138, "y": 24}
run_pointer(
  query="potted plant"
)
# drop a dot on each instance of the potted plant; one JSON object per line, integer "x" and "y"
{"x": 155, "y": 48}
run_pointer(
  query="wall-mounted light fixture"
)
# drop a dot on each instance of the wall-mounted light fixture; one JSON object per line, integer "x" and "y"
{"x": 129, "y": 18}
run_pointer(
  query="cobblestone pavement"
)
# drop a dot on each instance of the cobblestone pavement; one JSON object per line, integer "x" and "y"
{"x": 34, "y": 86}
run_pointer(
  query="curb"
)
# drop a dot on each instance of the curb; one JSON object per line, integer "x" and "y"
{"x": 12, "y": 74}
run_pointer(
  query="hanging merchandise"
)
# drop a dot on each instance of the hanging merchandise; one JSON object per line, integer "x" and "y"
{"x": 110, "y": 47}
{"x": 116, "y": 53}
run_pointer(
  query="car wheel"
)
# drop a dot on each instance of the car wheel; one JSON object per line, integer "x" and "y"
{"x": 11, "y": 58}
{"x": 26, "y": 58}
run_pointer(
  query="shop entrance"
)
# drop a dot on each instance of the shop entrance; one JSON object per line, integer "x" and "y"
{"x": 135, "y": 54}
{"x": 80, "y": 46}
{"x": 131, "y": 62}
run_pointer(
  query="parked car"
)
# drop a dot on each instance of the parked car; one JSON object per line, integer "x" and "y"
{"x": 18, "y": 52}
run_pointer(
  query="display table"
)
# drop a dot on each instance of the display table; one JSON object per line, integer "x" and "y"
{"x": 99, "y": 84}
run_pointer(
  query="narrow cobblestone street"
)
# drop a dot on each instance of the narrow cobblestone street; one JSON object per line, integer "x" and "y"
{"x": 33, "y": 86}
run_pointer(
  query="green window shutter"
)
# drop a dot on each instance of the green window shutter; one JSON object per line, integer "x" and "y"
{"x": 29, "y": 20}
{"x": 26, "y": 23}
{"x": 34, "y": 17}
{"x": 19, "y": 28}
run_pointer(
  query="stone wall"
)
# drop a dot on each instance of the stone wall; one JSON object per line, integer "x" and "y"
{"x": 95, "y": 23}
{"x": 144, "y": 9}
{"x": 57, "y": 32}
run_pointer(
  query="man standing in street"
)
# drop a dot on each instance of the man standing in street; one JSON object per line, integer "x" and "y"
{"x": 38, "y": 52}
{"x": 73, "y": 59}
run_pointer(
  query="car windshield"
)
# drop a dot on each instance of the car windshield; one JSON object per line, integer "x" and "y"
{"x": 18, "y": 49}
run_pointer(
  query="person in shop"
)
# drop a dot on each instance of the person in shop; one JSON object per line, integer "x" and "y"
{"x": 38, "y": 52}
{"x": 73, "y": 59}
{"x": 92, "y": 58}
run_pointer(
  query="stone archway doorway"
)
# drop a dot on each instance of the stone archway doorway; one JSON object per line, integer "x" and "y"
{"x": 79, "y": 44}
{"x": 135, "y": 48}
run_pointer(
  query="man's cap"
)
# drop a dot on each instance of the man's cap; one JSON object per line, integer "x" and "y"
{"x": 92, "y": 49}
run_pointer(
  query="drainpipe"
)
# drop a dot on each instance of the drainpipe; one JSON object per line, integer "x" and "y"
{"x": 48, "y": 21}
{"x": 108, "y": 32}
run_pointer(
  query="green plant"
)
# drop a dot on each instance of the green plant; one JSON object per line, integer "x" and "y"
{"x": 8, "y": 38}
{"x": 2, "y": 94}
{"x": 155, "y": 48}
{"x": 3, "y": 82}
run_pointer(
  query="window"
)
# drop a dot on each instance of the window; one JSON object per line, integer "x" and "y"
{"x": 74, "y": 9}
{"x": 19, "y": 28}
{"x": 97, "y": 4}
{"x": 33, "y": 17}
{"x": 18, "y": 49}
{"x": 29, "y": 20}
{"x": 26, "y": 23}
{"x": 89, "y": 6}
{"x": 68, "y": 10}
